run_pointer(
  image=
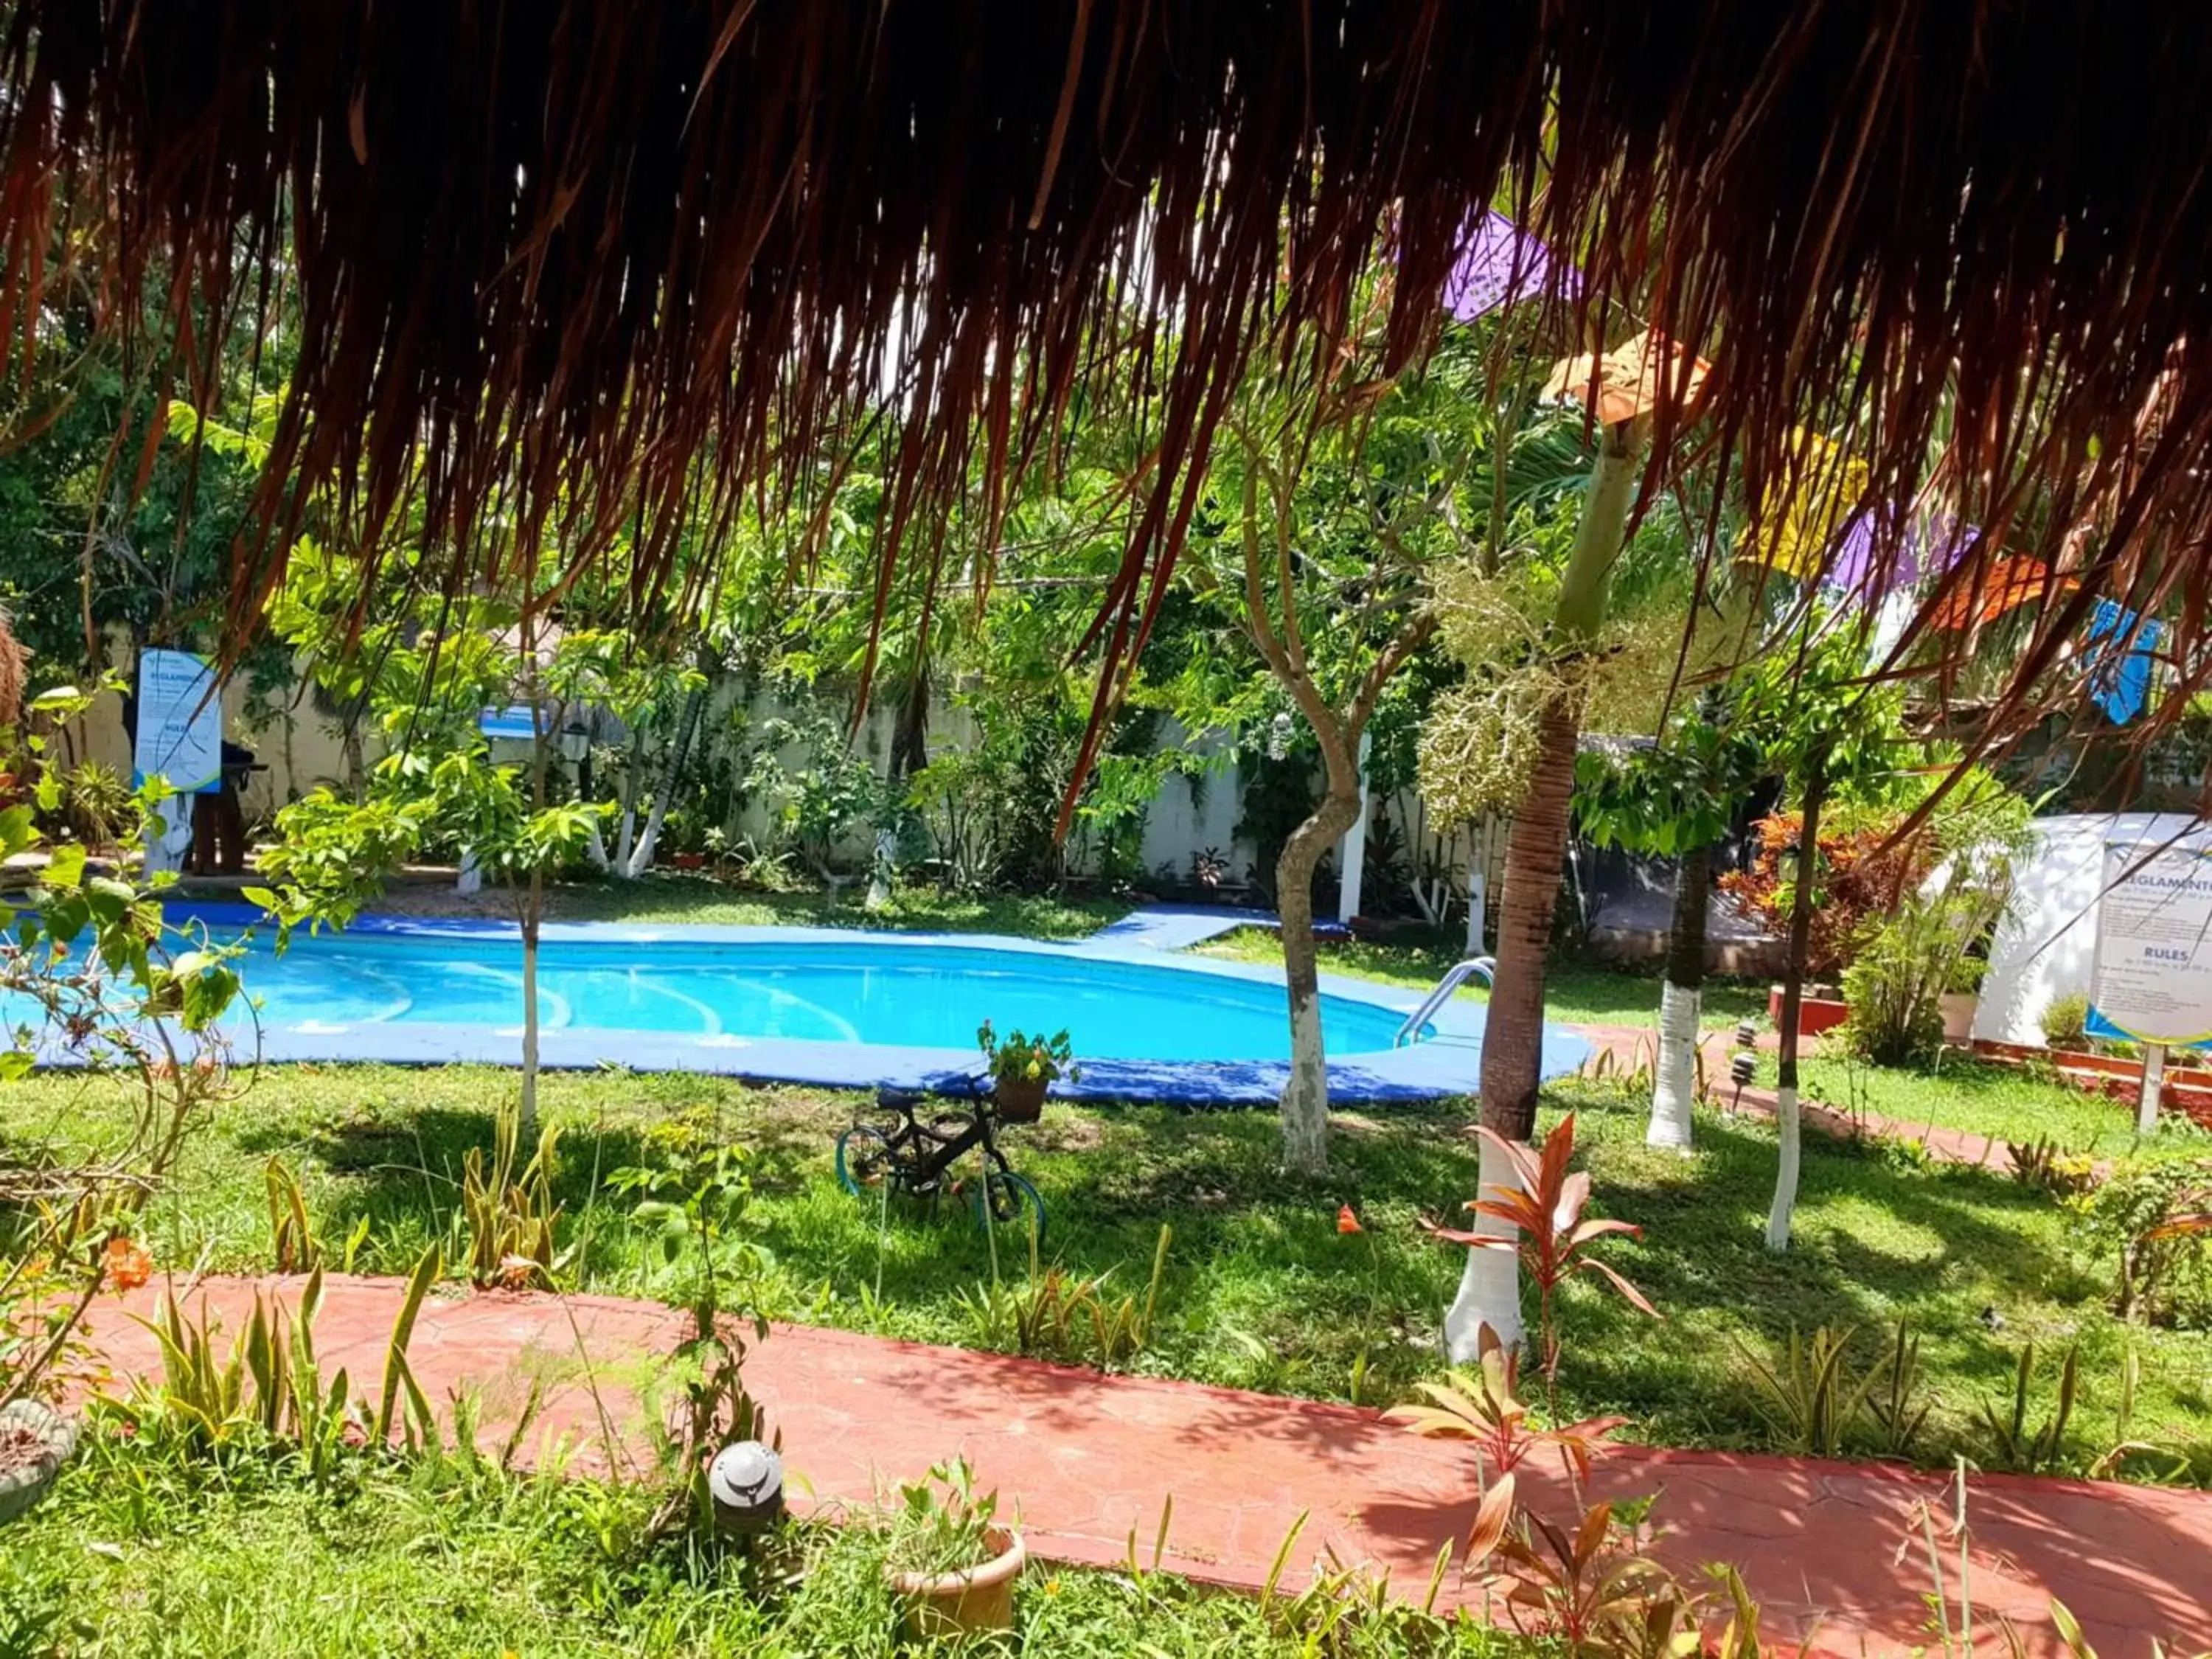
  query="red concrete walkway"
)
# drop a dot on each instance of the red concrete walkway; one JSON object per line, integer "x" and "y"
{"x": 1089, "y": 1458}
{"x": 1631, "y": 1046}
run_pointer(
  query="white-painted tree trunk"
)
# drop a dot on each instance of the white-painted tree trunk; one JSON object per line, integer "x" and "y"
{"x": 1305, "y": 1098}
{"x": 1489, "y": 1287}
{"x": 527, "y": 1115}
{"x": 1675, "y": 1091}
{"x": 471, "y": 880}
{"x": 641, "y": 859}
{"x": 1785, "y": 1180}
{"x": 1351, "y": 851}
{"x": 595, "y": 848}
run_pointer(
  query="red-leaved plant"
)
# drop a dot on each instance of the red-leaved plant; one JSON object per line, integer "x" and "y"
{"x": 1484, "y": 1405}
{"x": 1550, "y": 1234}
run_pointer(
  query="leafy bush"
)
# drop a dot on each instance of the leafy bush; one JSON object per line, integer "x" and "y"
{"x": 1815, "y": 1404}
{"x": 2156, "y": 1220}
{"x": 1935, "y": 941}
{"x": 1864, "y": 875}
{"x": 825, "y": 795}
{"x": 2066, "y": 1021}
{"x": 1893, "y": 1019}
{"x": 2043, "y": 1164}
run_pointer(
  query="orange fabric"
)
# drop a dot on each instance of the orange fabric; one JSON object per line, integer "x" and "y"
{"x": 1633, "y": 379}
{"x": 2009, "y": 584}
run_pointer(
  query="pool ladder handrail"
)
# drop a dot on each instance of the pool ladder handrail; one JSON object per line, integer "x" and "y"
{"x": 1456, "y": 976}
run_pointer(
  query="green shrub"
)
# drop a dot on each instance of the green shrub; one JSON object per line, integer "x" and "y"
{"x": 1935, "y": 942}
{"x": 2152, "y": 1218}
{"x": 2066, "y": 1021}
{"x": 1896, "y": 1016}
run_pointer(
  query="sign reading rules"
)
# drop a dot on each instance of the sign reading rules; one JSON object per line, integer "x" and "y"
{"x": 2152, "y": 978}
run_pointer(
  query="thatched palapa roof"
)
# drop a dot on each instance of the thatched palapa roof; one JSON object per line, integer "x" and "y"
{"x": 621, "y": 260}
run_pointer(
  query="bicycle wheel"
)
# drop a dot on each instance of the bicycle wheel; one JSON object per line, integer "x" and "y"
{"x": 1014, "y": 1204}
{"x": 864, "y": 1158}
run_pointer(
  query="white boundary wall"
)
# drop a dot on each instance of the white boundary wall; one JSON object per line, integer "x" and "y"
{"x": 2046, "y": 951}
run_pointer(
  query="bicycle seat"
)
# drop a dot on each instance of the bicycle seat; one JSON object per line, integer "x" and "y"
{"x": 899, "y": 1100}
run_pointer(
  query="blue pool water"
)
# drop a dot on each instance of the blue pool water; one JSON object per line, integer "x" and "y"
{"x": 837, "y": 1008}
{"x": 819, "y": 989}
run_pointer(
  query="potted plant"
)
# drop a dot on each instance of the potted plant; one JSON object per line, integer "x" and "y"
{"x": 1023, "y": 1068}
{"x": 35, "y": 1441}
{"x": 949, "y": 1559}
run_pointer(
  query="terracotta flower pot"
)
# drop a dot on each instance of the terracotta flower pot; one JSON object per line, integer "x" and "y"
{"x": 35, "y": 1441}
{"x": 963, "y": 1603}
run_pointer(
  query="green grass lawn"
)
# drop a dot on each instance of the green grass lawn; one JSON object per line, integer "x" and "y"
{"x": 1261, "y": 1290}
{"x": 1579, "y": 993}
{"x": 143, "y": 1552}
{"x": 2007, "y": 1103}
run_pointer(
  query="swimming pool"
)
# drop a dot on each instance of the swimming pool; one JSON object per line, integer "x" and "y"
{"x": 832, "y": 1006}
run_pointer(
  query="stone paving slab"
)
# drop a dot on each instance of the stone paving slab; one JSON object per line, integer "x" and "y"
{"x": 1088, "y": 1459}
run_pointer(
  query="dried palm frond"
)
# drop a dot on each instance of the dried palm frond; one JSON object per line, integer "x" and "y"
{"x": 607, "y": 266}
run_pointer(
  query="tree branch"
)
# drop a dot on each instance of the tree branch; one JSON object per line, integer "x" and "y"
{"x": 1412, "y": 634}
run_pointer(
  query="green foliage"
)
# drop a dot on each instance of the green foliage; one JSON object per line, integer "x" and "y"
{"x": 96, "y": 805}
{"x": 1261, "y": 1291}
{"x": 2015, "y": 1442}
{"x": 294, "y": 1241}
{"x": 941, "y": 1524}
{"x": 2066, "y": 1021}
{"x": 268, "y": 1388}
{"x": 1896, "y": 1411}
{"x": 1053, "y": 1315}
{"x": 1815, "y": 1405}
{"x": 824, "y": 795}
{"x": 398, "y": 1376}
{"x": 1935, "y": 939}
{"x": 2047, "y": 1166}
{"x": 141, "y": 1553}
{"x": 693, "y": 1200}
{"x": 1015, "y": 1058}
{"x": 1682, "y": 793}
{"x": 332, "y": 857}
{"x": 960, "y": 798}
{"x": 507, "y": 1219}
{"x": 1807, "y": 1391}
{"x": 92, "y": 975}
{"x": 2150, "y": 1217}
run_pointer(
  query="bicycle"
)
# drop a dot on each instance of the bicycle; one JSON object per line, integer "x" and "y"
{"x": 915, "y": 1157}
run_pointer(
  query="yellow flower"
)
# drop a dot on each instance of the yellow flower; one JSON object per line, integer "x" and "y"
{"x": 1052, "y": 1587}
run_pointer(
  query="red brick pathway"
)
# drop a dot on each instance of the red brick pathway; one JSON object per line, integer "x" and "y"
{"x": 1089, "y": 1458}
{"x": 1632, "y": 1046}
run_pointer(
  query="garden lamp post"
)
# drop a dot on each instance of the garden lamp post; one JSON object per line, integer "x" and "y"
{"x": 745, "y": 1481}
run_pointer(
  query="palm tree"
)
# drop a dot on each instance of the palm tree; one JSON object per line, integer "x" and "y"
{"x": 1536, "y": 849}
